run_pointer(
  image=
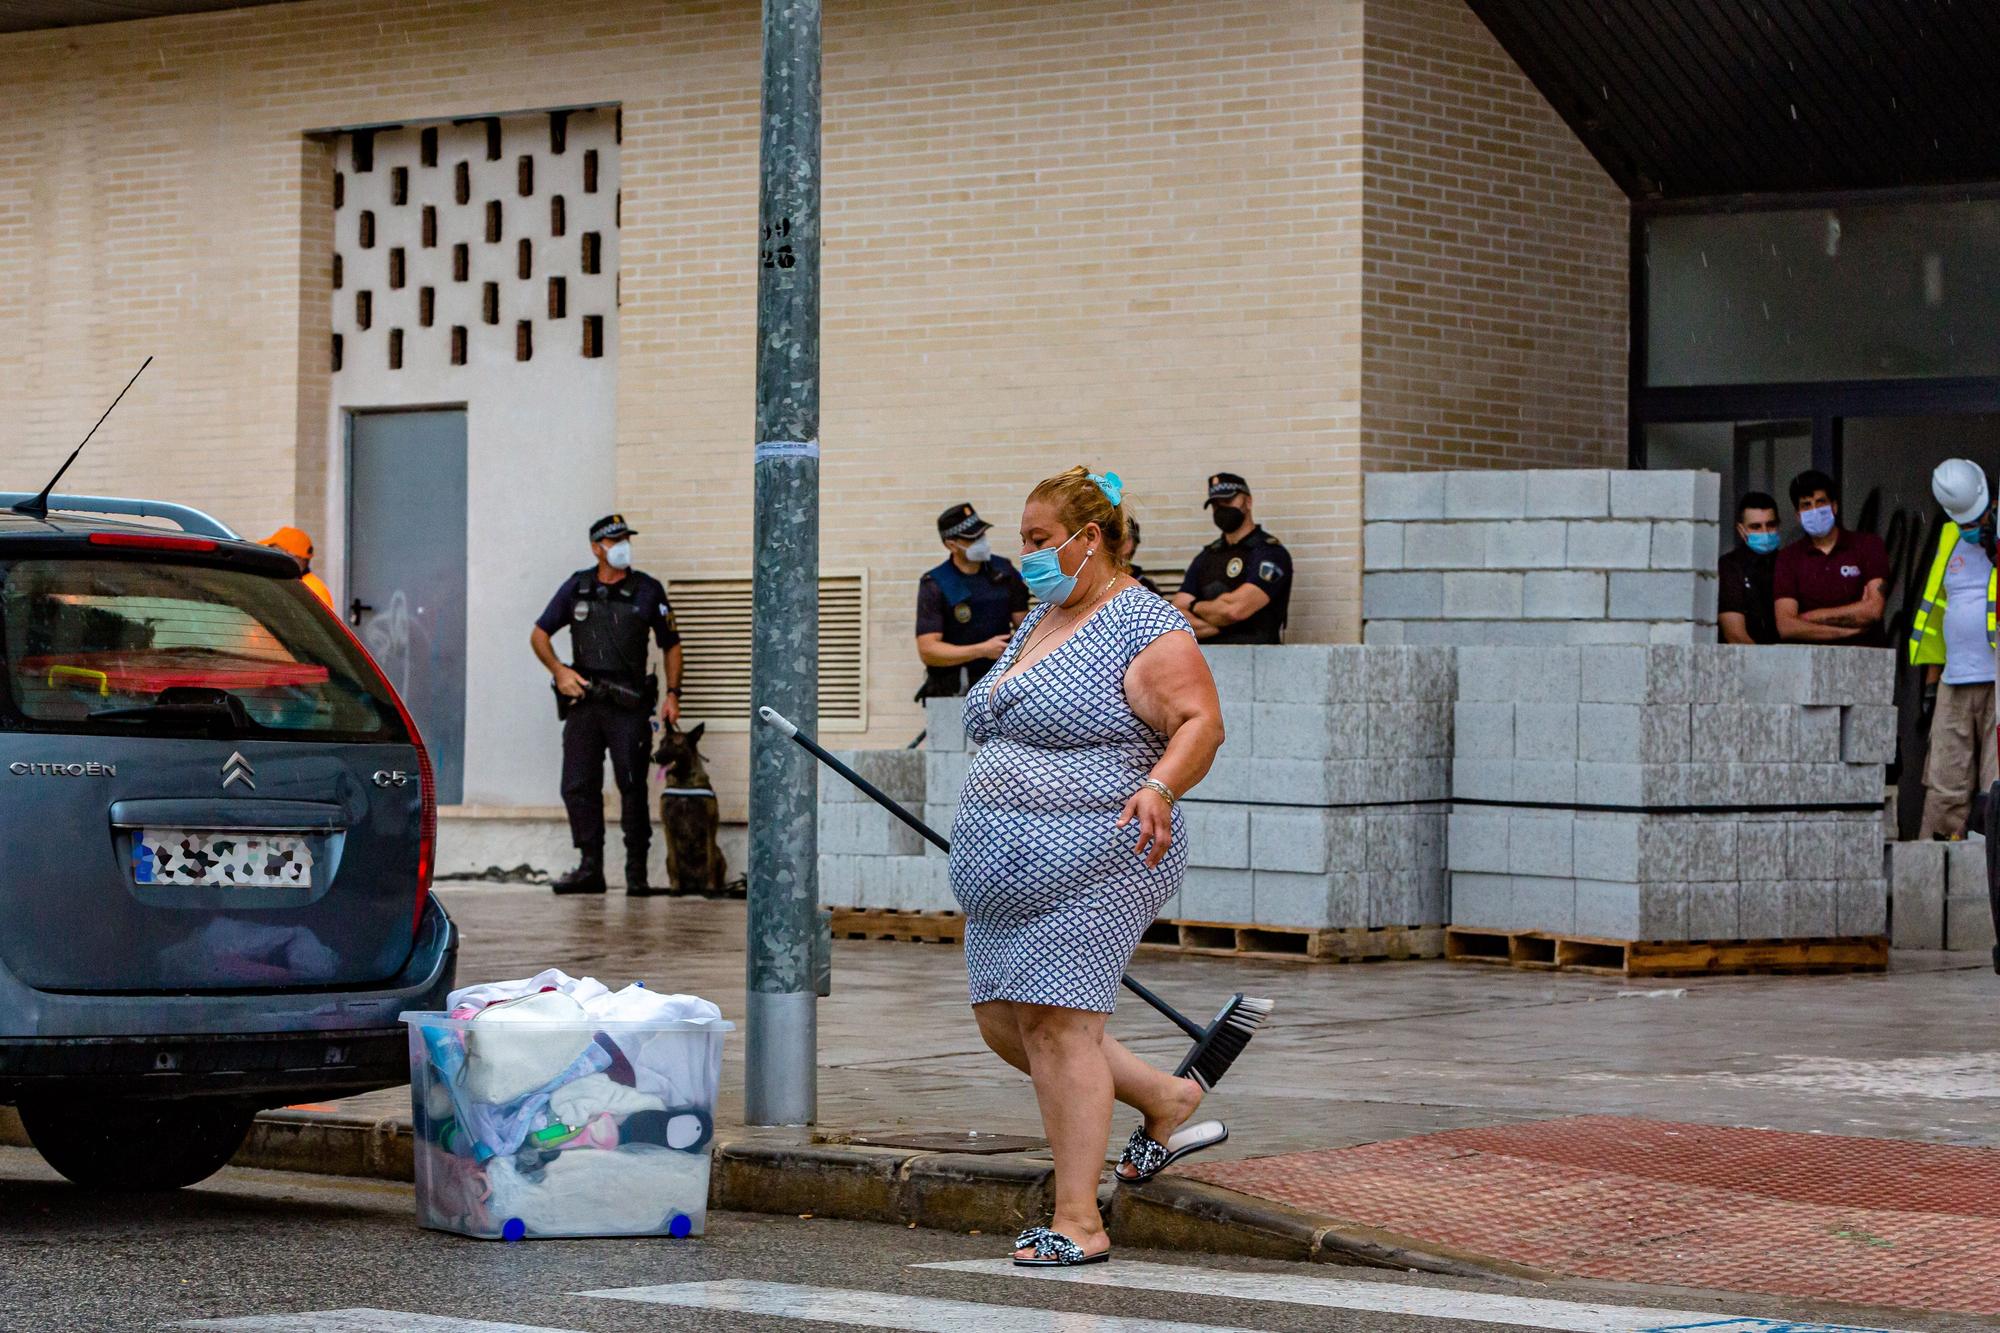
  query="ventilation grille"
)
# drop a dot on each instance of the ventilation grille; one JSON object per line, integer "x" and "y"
{"x": 714, "y": 619}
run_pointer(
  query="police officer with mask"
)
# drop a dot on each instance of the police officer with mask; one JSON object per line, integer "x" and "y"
{"x": 1239, "y": 589}
{"x": 967, "y": 607}
{"x": 606, "y": 698}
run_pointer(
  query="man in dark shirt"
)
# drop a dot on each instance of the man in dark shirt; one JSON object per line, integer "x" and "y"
{"x": 1744, "y": 613}
{"x": 1239, "y": 588}
{"x": 967, "y": 607}
{"x": 1828, "y": 585}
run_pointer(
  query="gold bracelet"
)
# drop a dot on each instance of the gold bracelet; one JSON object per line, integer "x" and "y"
{"x": 1162, "y": 788}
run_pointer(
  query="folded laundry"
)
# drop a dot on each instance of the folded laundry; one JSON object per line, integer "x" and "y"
{"x": 574, "y": 1103}
{"x": 580, "y": 989}
{"x": 518, "y": 1045}
{"x": 636, "y": 1189}
{"x": 500, "y": 1129}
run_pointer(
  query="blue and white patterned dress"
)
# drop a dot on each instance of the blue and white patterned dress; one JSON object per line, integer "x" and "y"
{"x": 1055, "y": 898}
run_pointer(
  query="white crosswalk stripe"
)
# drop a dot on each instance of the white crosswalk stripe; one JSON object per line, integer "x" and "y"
{"x": 1395, "y": 1298}
{"x": 875, "y": 1309}
{"x": 362, "y": 1321}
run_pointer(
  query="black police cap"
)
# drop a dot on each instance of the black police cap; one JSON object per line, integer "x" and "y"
{"x": 961, "y": 523}
{"x": 610, "y": 528}
{"x": 1224, "y": 485}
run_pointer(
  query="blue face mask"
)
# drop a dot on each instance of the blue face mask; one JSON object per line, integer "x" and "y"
{"x": 1974, "y": 535}
{"x": 1042, "y": 571}
{"x": 1763, "y": 543}
{"x": 1817, "y": 521}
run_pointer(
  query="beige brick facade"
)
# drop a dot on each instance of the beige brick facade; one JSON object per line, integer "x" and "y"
{"x": 1291, "y": 238}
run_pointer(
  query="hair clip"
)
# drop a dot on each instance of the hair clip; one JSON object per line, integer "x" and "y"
{"x": 1113, "y": 488}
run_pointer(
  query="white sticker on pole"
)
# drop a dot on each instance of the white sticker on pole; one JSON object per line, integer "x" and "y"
{"x": 771, "y": 449}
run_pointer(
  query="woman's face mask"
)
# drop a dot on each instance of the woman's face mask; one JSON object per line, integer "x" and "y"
{"x": 618, "y": 555}
{"x": 1042, "y": 571}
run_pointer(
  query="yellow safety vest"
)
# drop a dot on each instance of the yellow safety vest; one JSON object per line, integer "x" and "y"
{"x": 1927, "y": 626}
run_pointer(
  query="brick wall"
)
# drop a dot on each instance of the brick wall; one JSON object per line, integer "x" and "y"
{"x": 1494, "y": 295}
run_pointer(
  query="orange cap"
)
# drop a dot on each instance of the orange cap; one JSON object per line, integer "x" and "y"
{"x": 292, "y": 541}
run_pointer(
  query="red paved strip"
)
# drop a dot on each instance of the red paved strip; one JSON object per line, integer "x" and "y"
{"x": 1874, "y": 1221}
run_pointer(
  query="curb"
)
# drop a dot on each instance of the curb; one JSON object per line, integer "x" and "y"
{"x": 782, "y": 1171}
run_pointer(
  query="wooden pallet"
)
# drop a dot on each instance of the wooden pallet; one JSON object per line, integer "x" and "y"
{"x": 891, "y": 923}
{"x": 1295, "y": 943}
{"x": 1535, "y": 950}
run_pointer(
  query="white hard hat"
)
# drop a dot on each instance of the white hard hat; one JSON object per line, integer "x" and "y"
{"x": 1960, "y": 487}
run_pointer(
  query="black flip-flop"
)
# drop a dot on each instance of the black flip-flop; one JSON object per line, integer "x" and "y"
{"x": 1054, "y": 1250}
{"x": 1149, "y": 1156}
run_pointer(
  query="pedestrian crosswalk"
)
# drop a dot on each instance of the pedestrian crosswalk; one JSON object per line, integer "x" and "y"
{"x": 773, "y": 1304}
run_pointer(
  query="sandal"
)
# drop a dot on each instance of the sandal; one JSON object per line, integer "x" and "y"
{"x": 1054, "y": 1250}
{"x": 1148, "y": 1157}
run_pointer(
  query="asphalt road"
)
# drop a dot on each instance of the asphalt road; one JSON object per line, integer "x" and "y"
{"x": 269, "y": 1253}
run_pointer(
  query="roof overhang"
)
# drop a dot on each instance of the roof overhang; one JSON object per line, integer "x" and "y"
{"x": 31, "y": 15}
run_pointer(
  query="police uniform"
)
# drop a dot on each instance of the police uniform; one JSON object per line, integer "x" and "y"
{"x": 609, "y": 624}
{"x": 966, "y": 608}
{"x": 1224, "y": 566}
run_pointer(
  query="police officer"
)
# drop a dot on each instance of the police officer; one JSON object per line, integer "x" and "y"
{"x": 1239, "y": 589}
{"x": 606, "y": 698}
{"x": 967, "y": 607}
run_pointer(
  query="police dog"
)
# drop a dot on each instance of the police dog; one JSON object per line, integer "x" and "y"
{"x": 689, "y": 816}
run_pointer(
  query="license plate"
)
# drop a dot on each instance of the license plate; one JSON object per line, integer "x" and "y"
{"x": 216, "y": 858}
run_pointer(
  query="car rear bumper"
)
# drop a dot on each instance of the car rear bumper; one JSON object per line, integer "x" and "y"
{"x": 267, "y": 1045}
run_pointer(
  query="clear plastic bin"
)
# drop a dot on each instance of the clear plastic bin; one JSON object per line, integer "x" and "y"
{"x": 535, "y": 1129}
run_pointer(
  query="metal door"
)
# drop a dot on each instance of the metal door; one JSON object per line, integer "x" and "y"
{"x": 406, "y": 569}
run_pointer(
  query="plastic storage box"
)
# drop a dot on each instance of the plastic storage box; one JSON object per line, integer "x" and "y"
{"x": 527, "y": 1129}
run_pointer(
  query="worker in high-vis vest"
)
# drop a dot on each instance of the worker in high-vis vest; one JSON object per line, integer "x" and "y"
{"x": 1954, "y": 636}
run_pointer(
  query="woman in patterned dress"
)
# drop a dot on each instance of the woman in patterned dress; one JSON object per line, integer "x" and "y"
{"x": 1097, "y": 717}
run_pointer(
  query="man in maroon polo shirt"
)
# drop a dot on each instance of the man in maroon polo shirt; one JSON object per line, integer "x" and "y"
{"x": 1828, "y": 584}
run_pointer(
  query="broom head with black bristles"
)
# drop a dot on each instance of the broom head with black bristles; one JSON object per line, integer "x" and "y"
{"x": 1224, "y": 1039}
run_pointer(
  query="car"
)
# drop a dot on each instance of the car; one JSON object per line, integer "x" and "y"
{"x": 219, "y": 824}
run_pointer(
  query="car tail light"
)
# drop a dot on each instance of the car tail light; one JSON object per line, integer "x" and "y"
{"x": 148, "y": 542}
{"x": 427, "y": 817}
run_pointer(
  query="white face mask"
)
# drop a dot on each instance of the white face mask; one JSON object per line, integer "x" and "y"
{"x": 979, "y": 550}
{"x": 619, "y": 555}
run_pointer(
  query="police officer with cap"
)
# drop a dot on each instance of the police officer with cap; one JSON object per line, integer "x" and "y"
{"x": 606, "y": 698}
{"x": 967, "y": 607}
{"x": 1239, "y": 589}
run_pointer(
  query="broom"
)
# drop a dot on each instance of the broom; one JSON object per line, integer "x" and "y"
{"x": 1216, "y": 1046}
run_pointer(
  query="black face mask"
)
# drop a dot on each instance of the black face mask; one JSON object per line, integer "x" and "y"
{"x": 1227, "y": 517}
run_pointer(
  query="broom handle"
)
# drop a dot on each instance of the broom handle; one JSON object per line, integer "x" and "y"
{"x": 784, "y": 724}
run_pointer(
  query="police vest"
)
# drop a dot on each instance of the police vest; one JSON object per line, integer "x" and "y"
{"x": 961, "y": 624}
{"x": 608, "y": 628}
{"x": 1927, "y": 626}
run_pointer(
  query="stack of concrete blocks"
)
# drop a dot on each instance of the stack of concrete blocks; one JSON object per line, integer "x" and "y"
{"x": 867, "y": 857}
{"x": 1938, "y": 896}
{"x": 1671, "y": 792}
{"x": 1545, "y": 557}
{"x": 1327, "y": 803}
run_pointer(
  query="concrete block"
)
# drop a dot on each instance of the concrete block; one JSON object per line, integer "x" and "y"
{"x": 1609, "y": 733}
{"x": 940, "y": 817}
{"x": 866, "y": 830}
{"x": 1861, "y": 906}
{"x": 1612, "y": 675}
{"x": 1402, "y": 496}
{"x": 1540, "y": 844}
{"x": 1483, "y": 730}
{"x": 1565, "y": 595}
{"x": 1868, "y": 734}
{"x": 1218, "y": 836}
{"x": 944, "y": 774}
{"x": 1397, "y": 841}
{"x": 1776, "y": 673}
{"x": 1664, "y": 910}
{"x": 1568, "y": 493}
{"x": 1716, "y": 674}
{"x": 1968, "y": 923}
{"x": 1965, "y": 869}
{"x": 1810, "y": 911}
{"x": 1482, "y": 779}
{"x": 1669, "y": 674}
{"x": 1405, "y": 596}
{"x": 1542, "y": 782}
{"x": 1666, "y": 734}
{"x": 1382, "y": 546}
{"x": 1811, "y": 850}
{"x": 1666, "y": 849}
{"x": 1916, "y": 884}
{"x": 1611, "y": 784}
{"x": 1718, "y": 733}
{"x": 1403, "y": 897}
{"x": 1444, "y": 545}
{"x": 1760, "y": 849}
{"x": 1471, "y": 595}
{"x": 1606, "y": 846}
{"x": 1484, "y": 900}
{"x": 1853, "y": 675}
{"x": 1294, "y": 731}
{"x": 1760, "y": 907}
{"x": 1545, "y": 902}
{"x": 1280, "y": 898}
{"x": 1816, "y": 734}
{"x": 1588, "y": 632}
{"x": 840, "y": 879}
{"x": 1234, "y": 669}
{"x": 1675, "y": 546}
{"x": 1307, "y": 841}
{"x": 1313, "y": 673}
{"x": 1713, "y": 912}
{"x": 899, "y": 773}
{"x": 1382, "y": 675}
{"x": 1545, "y": 731}
{"x": 944, "y": 725}
{"x": 922, "y": 884}
{"x": 1712, "y": 850}
{"x": 1610, "y": 546}
{"x": 1664, "y": 495}
{"x": 1855, "y": 783}
{"x": 1477, "y": 841}
{"x": 1215, "y": 895}
{"x": 1433, "y": 674}
{"x": 1239, "y": 728}
{"x": 1483, "y": 494}
{"x": 1302, "y": 780}
{"x": 1606, "y": 910}
{"x": 1526, "y": 544}
{"x": 1654, "y": 595}
{"x": 1389, "y": 633}
{"x": 1857, "y": 846}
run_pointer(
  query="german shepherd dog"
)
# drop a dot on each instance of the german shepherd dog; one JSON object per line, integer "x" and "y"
{"x": 688, "y": 814}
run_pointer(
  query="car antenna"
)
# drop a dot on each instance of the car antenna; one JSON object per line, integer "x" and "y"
{"x": 39, "y": 506}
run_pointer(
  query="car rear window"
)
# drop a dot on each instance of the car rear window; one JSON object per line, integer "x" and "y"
{"x": 145, "y": 647}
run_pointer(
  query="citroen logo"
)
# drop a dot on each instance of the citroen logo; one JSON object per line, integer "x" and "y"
{"x": 237, "y": 769}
